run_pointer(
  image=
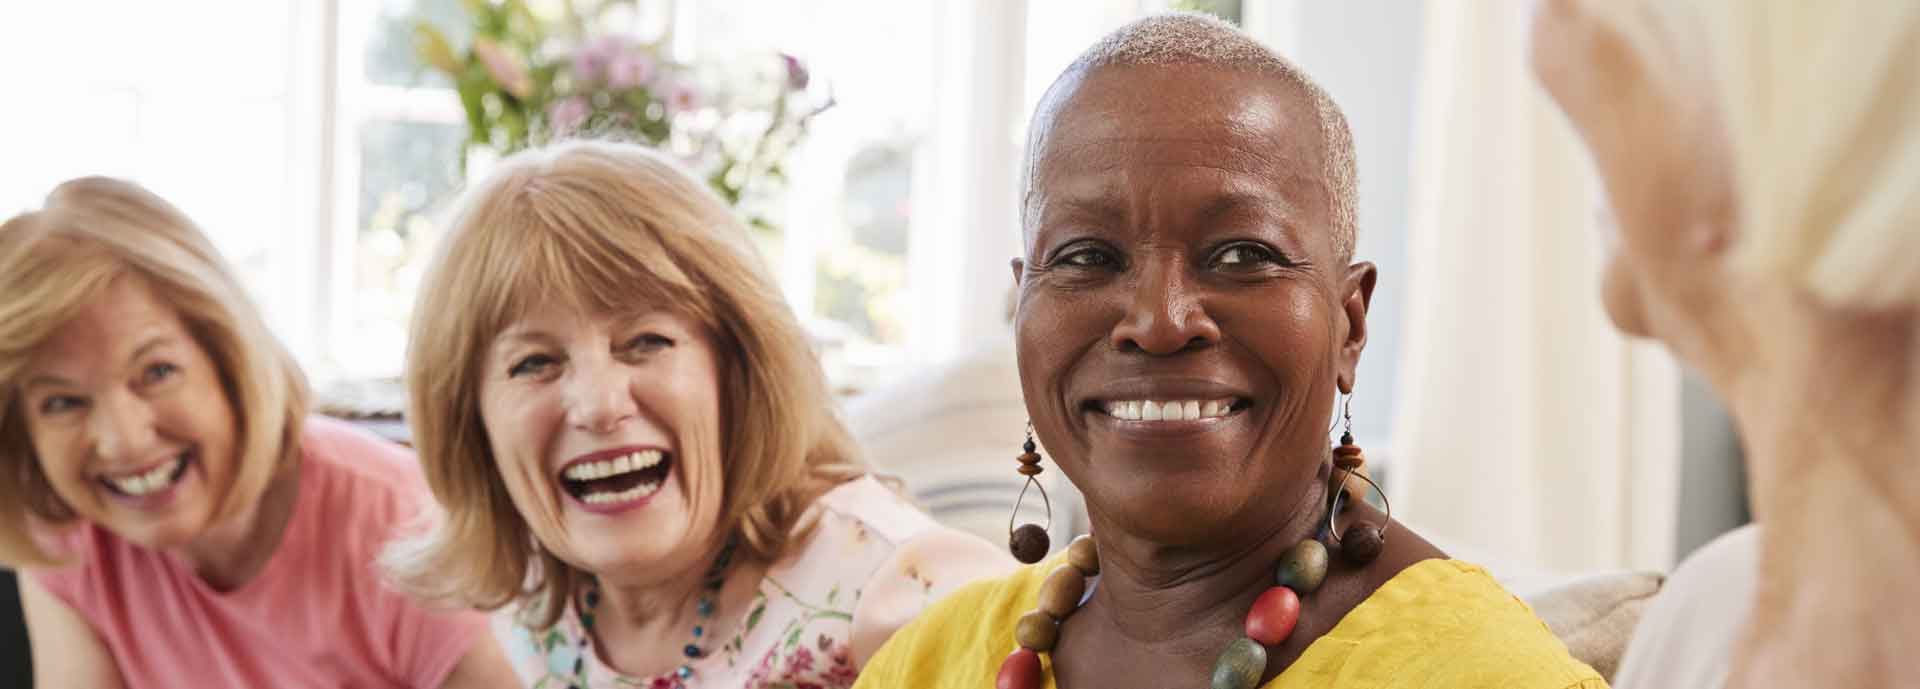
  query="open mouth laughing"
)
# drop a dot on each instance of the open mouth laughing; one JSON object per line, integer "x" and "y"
{"x": 153, "y": 480}
{"x": 617, "y": 479}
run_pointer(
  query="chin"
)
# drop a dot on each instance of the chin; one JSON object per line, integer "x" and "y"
{"x": 1621, "y": 294}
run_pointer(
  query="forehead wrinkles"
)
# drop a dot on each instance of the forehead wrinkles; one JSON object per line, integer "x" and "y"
{"x": 1109, "y": 120}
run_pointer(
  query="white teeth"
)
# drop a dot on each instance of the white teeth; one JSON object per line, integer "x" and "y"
{"x": 630, "y": 494}
{"x": 1168, "y": 410}
{"x": 636, "y": 461}
{"x": 148, "y": 481}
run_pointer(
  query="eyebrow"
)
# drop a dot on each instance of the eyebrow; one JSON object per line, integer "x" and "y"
{"x": 47, "y": 380}
{"x": 152, "y": 343}
{"x": 516, "y": 335}
{"x": 1232, "y": 201}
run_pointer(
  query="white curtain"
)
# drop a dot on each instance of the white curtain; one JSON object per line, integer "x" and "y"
{"x": 1526, "y": 431}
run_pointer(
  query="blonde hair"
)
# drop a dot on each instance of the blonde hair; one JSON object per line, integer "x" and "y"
{"x": 56, "y": 261}
{"x": 1821, "y": 106}
{"x": 1180, "y": 38}
{"x": 604, "y": 228}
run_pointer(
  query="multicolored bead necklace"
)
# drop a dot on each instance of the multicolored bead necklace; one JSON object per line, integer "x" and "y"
{"x": 1271, "y": 620}
{"x": 710, "y": 585}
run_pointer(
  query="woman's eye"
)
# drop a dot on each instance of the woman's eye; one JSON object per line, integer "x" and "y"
{"x": 649, "y": 342}
{"x": 1243, "y": 255}
{"x": 1086, "y": 258}
{"x": 530, "y": 365}
{"x": 57, "y": 404}
{"x": 158, "y": 372}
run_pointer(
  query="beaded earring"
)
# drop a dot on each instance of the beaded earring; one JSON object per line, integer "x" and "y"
{"x": 1030, "y": 543}
{"x": 1361, "y": 542}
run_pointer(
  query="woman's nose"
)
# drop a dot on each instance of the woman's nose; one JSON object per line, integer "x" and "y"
{"x": 1164, "y": 314}
{"x": 598, "y": 399}
{"x": 122, "y": 426}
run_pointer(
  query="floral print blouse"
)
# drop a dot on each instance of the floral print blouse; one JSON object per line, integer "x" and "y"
{"x": 796, "y": 633}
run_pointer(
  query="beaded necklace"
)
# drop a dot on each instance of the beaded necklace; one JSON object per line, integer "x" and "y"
{"x": 1269, "y": 622}
{"x": 710, "y": 585}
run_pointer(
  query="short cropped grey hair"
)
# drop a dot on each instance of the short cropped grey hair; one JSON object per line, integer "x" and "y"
{"x": 1187, "y": 38}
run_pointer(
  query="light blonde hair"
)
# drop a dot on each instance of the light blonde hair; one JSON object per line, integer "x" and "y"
{"x": 1821, "y": 106}
{"x": 56, "y": 261}
{"x": 1183, "y": 38}
{"x": 604, "y": 228}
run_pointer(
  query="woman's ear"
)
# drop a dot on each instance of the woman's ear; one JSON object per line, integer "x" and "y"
{"x": 1356, "y": 290}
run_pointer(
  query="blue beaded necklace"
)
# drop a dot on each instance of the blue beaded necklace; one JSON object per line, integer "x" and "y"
{"x": 710, "y": 585}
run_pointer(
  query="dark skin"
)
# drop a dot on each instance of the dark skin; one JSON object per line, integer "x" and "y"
{"x": 1178, "y": 245}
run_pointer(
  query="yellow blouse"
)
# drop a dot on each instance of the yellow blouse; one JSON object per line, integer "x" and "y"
{"x": 1436, "y": 625}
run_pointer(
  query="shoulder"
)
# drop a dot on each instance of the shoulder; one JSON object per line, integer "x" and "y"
{"x": 1688, "y": 633}
{"x": 959, "y": 640}
{"x": 359, "y": 472}
{"x": 923, "y": 570}
{"x": 1450, "y": 622}
{"x": 84, "y": 552}
{"x": 874, "y": 508}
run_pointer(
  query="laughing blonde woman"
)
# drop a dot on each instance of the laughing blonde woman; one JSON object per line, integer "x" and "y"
{"x": 636, "y": 449}
{"x": 179, "y": 520}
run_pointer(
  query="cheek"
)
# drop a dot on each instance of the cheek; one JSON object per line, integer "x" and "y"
{"x": 1290, "y": 330}
{"x": 516, "y": 421}
{"x": 61, "y": 456}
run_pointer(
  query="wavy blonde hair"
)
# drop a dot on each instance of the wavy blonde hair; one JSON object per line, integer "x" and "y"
{"x": 56, "y": 261}
{"x": 1821, "y": 105}
{"x": 605, "y": 228}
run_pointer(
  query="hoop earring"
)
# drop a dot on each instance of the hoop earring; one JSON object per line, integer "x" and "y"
{"x": 1030, "y": 543}
{"x": 1361, "y": 542}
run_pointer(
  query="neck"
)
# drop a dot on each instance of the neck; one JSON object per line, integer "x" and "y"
{"x": 1829, "y": 412}
{"x": 643, "y": 623}
{"x": 1192, "y": 600}
{"x": 232, "y": 551}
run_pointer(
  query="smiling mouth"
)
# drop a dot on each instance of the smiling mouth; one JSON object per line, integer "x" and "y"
{"x": 1169, "y": 410}
{"x": 152, "y": 480}
{"x": 628, "y": 477}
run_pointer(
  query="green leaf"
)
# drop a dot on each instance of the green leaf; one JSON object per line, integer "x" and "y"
{"x": 753, "y": 618}
{"x": 432, "y": 48}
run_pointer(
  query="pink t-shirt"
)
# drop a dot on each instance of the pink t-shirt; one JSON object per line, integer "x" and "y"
{"x": 319, "y": 614}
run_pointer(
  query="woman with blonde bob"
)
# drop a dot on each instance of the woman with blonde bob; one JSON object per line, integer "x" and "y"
{"x": 1762, "y": 158}
{"x": 178, "y": 520}
{"x": 635, "y": 446}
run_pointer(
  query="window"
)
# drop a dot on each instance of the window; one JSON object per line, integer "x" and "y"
{"x": 203, "y": 115}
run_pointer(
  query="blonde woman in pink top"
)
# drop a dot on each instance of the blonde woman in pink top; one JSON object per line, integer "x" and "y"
{"x": 177, "y": 520}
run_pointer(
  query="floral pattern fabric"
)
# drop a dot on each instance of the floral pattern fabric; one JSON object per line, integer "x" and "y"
{"x": 796, "y": 633}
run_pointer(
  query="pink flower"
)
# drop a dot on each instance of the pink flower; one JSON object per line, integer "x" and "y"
{"x": 801, "y": 661}
{"x": 591, "y": 60}
{"x": 629, "y": 69}
{"x": 504, "y": 67}
{"x": 567, "y": 115}
{"x": 682, "y": 96}
{"x": 797, "y": 75}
